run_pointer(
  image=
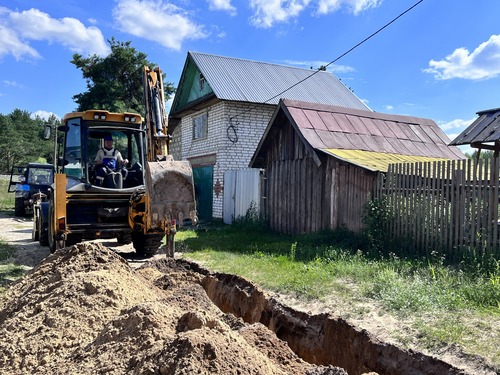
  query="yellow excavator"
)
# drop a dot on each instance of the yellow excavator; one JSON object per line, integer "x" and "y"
{"x": 134, "y": 191}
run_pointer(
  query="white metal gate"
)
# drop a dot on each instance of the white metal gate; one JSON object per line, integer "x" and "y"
{"x": 241, "y": 188}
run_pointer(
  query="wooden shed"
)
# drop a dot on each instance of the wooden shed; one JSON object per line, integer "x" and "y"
{"x": 322, "y": 162}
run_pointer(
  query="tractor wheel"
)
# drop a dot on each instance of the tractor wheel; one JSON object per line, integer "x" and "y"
{"x": 19, "y": 209}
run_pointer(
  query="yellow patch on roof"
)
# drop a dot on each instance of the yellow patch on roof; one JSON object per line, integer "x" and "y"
{"x": 376, "y": 161}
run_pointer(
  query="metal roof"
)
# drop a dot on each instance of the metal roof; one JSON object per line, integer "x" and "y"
{"x": 486, "y": 128}
{"x": 261, "y": 82}
{"x": 364, "y": 137}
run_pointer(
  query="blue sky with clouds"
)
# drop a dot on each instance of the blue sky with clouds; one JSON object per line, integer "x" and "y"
{"x": 441, "y": 60}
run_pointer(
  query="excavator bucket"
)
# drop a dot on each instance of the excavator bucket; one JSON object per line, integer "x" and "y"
{"x": 169, "y": 186}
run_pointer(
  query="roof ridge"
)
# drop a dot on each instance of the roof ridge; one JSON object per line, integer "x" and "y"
{"x": 358, "y": 112}
{"x": 260, "y": 62}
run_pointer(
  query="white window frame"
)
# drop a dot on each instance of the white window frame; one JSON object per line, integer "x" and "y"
{"x": 200, "y": 126}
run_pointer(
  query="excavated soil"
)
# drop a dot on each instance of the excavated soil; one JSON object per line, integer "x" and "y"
{"x": 86, "y": 310}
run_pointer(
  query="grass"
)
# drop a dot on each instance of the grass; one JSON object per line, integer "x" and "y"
{"x": 8, "y": 270}
{"x": 6, "y": 199}
{"x": 443, "y": 304}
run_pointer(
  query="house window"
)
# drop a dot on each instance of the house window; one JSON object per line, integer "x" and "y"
{"x": 200, "y": 126}
{"x": 202, "y": 82}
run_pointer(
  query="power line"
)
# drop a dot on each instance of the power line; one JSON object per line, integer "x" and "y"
{"x": 338, "y": 58}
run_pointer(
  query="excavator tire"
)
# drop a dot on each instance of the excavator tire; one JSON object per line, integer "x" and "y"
{"x": 146, "y": 245}
{"x": 35, "y": 233}
{"x": 50, "y": 235}
{"x": 44, "y": 235}
{"x": 124, "y": 238}
{"x": 72, "y": 239}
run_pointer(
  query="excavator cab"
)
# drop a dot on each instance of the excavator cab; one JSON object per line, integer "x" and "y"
{"x": 83, "y": 143}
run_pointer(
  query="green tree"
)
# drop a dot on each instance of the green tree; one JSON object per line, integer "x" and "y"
{"x": 484, "y": 154}
{"x": 21, "y": 140}
{"x": 114, "y": 83}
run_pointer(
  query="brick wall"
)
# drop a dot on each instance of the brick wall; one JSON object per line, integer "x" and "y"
{"x": 234, "y": 131}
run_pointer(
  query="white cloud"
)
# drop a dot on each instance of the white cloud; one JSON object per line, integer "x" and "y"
{"x": 43, "y": 114}
{"x": 164, "y": 23}
{"x": 388, "y": 107}
{"x": 353, "y": 6}
{"x": 224, "y": 5}
{"x": 268, "y": 12}
{"x": 453, "y": 129}
{"x": 12, "y": 84}
{"x": 10, "y": 44}
{"x": 457, "y": 125}
{"x": 21, "y": 27}
{"x": 482, "y": 63}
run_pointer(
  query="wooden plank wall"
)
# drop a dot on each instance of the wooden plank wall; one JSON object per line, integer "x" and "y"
{"x": 354, "y": 187}
{"x": 305, "y": 198}
{"x": 302, "y": 197}
{"x": 444, "y": 205}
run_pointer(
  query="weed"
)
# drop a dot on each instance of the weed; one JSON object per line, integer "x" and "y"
{"x": 6, "y": 199}
{"x": 8, "y": 271}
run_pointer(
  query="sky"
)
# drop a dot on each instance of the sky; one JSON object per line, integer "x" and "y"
{"x": 440, "y": 60}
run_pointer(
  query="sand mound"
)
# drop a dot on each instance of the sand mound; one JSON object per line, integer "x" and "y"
{"x": 83, "y": 310}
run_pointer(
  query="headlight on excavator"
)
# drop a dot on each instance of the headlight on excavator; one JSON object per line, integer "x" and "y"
{"x": 99, "y": 116}
{"x": 130, "y": 119}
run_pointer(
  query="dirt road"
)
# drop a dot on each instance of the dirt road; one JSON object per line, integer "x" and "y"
{"x": 17, "y": 231}
{"x": 92, "y": 308}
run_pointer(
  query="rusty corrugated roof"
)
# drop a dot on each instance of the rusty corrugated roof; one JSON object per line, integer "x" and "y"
{"x": 485, "y": 129}
{"x": 377, "y": 161}
{"x": 359, "y": 135}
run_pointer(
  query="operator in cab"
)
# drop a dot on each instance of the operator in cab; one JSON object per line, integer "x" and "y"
{"x": 108, "y": 159}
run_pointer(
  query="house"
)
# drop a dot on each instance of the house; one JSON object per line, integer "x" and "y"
{"x": 321, "y": 161}
{"x": 222, "y": 107}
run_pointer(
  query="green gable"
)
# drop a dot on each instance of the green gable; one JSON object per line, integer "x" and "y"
{"x": 194, "y": 87}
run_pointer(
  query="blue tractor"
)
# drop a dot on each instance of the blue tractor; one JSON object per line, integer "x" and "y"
{"x": 27, "y": 182}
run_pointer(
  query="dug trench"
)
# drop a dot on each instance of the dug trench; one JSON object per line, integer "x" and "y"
{"x": 319, "y": 339}
{"x": 85, "y": 310}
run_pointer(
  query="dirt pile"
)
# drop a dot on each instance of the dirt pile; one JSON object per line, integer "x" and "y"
{"x": 84, "y": 310}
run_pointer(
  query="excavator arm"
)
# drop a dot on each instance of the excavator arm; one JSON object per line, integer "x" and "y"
{"x": 156, "y": 117}
{"x": 169, "y": 184}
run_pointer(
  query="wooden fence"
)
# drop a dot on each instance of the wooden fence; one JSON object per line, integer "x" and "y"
{"x": 450, "y": 205}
